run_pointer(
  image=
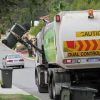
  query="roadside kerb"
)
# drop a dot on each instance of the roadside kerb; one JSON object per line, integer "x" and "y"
{"x": 13, "y": 90}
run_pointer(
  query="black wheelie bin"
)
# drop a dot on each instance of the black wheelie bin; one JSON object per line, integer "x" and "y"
{"x": 6, "y": 75}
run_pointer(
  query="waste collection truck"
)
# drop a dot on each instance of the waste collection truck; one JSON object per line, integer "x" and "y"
{"x": 70, "y": 58}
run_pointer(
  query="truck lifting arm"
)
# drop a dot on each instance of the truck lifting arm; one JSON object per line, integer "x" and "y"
{"x": 30, "y": 43}
{"x": 19, "y": 39}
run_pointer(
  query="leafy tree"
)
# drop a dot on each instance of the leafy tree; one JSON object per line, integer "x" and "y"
{"x": 21, "y": 11}
{"x": 36, "y": 29}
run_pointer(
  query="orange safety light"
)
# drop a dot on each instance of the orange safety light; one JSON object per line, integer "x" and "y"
{"x": 90, "y": 13}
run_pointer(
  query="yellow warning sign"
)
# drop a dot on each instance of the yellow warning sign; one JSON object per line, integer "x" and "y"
{"x": 83, "y": 54}
{"x": 87, "y": 33}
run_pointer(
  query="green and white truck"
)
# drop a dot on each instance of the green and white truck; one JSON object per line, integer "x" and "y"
{"x": 67, "y": 55}
{"x": 70, "y": 58}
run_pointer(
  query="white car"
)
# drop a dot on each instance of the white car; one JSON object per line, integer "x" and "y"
{"x": 13, "y": 60}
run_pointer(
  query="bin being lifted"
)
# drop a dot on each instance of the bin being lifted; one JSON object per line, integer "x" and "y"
{"x": 15, "y": 33}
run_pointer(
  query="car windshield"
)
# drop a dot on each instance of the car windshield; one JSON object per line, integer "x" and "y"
{"x": 13, "y": 56}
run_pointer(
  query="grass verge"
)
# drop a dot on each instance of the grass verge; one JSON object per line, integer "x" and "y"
{"x": 16, "y": 97}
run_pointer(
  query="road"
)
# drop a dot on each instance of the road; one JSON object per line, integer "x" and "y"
{"x": 24, "y": 78}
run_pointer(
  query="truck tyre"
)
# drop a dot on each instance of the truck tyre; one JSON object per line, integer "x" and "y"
{"x": 36, "y": 77}
{"x": 65, "y": 94}
{"x": 42, "y": 89}
{"x": 39, "y": 78}
{"x": 51, "y": 88}
{"x": 50, "y": 91}
{"x": 55, "y": 96}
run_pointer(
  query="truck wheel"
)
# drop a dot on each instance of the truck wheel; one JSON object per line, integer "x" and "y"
{"x": 55, "y": 96}
{"x": 39, "y": 79}
{"x": 51, "y": 89}
{"x": 65, "y": 94}
{"x": 42, "y": 89}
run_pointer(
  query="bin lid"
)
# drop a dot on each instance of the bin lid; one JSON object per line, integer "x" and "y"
{"x": 84, "y": 89}
{"x": 74, "y": 88}
{"x": 5, "y": 69}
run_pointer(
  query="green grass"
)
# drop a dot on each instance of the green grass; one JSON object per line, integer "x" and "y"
{"x": 17, "y": 97}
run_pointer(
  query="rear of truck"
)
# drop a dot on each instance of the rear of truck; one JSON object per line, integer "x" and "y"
{"x": 78, "y": 46}
{"x": 78, "y": 40}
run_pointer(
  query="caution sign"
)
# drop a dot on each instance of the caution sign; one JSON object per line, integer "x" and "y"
{"x": 83, "y": 54}
{"x": 87, "y": 33}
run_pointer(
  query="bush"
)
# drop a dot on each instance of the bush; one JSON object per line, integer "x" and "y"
{"x": 36, "y": 29}
{"x": 2, "y": 30}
